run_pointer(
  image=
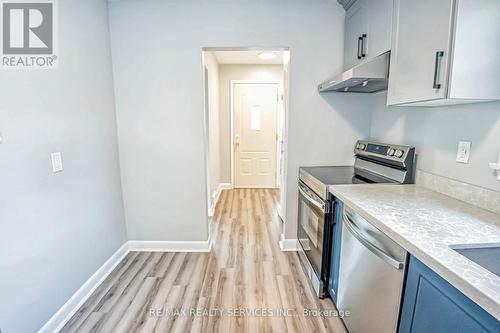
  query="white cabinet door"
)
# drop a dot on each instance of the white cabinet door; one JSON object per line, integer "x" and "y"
{"x": 370, "y": 21}
{"x": 355, "y": 27}
{"x": 420, "y": 51}
{"x": 379, "y": 29}
{"x": 475, "y": 72}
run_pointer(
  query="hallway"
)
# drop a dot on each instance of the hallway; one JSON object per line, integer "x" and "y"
{"x": 245, "y": 284}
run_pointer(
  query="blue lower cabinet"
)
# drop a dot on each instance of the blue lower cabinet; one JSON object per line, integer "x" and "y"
{"x": 333, "y": 279}
{"x": 431, "y": 304}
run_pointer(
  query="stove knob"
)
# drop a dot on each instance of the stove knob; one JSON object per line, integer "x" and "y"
{"x": 399, "y": 153}
{"x": 362, "y": 146}
{"x": 391, "y": 152}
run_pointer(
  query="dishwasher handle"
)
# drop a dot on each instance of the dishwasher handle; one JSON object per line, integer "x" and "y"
{"x": 374, "y": 249}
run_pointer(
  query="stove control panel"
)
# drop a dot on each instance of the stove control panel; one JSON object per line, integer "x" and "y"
{"x": 391, "y": 153}
{"x": 381, "y": 149}
{"x": 360, "y": 145}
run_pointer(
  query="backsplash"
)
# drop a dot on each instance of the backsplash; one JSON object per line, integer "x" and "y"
{"x": 475, "y": 195}
{"x": 435, "y": 133}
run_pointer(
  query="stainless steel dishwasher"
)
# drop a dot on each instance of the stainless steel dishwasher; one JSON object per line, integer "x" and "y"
{"x": 370, "y": 276}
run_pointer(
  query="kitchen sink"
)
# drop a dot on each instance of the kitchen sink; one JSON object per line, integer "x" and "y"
{"x": 485, "y": 255}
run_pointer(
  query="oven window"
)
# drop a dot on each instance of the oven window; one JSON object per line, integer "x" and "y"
{"x": 310, "y": 223}
{"x": 310, "y": 232}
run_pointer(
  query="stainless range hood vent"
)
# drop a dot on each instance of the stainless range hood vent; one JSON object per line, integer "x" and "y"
{"x": 367, "y": 77}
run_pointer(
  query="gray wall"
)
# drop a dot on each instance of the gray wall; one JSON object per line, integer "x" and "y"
{"x": 158, "y": 79}
{"x": 56, "y": 230}
{"x": 435, "y": 133}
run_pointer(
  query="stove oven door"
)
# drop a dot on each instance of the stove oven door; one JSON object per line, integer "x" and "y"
{"x": 311, "y": 226}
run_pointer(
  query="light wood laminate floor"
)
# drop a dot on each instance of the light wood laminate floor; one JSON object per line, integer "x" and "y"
{"x": 245, "y": 284}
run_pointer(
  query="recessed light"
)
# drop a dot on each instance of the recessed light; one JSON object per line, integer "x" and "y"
{"x": 267, "y": 55}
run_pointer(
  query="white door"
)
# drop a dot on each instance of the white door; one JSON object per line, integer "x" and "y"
{"x": 255, "y": 134}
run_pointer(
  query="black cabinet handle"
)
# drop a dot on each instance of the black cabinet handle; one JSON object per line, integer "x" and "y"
{"x": 439, "y": 56}
{"x": 363, "y": 38}
{"x": 360, "y": 45}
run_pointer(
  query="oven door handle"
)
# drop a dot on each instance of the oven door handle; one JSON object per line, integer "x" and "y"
{"x": 311, "y": 200}
{"x": 374, "y": 249}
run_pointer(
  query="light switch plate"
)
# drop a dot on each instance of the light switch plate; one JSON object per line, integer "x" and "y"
{"x": 56, "y": 162}
{"x": 1, "y": 142}
{"x": 463, "y": 152}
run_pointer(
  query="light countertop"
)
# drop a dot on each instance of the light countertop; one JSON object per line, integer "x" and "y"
{"x": 426, "y": 223}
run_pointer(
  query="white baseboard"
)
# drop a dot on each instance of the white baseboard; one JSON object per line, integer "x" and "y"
{"x": 288, "y": 244}
{"x": 220, "y": 188}
{"x": 258, "y": 186}
{"x": 170, "y": 246}
{"x": 223, "y": 186}
{"x": 61, "y": 317}
{"x": 211, "y": 211}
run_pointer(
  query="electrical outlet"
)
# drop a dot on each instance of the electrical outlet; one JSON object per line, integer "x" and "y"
{"x": 463, "y": 152}
{"x": 56, "y": 162}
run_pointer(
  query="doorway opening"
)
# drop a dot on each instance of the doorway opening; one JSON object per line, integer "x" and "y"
{"x": 246, "y": 108}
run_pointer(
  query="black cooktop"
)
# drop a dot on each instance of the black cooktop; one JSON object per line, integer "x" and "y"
{"x": 338, "y": 175}
{"x": 332, "y": 175}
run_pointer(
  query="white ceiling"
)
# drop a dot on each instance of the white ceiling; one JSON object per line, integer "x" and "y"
{"x": 246, "y": 58}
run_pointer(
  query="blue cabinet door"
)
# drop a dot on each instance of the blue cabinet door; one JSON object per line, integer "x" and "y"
{"x": 333, "y": 279}
{"x": 431, "y": 304}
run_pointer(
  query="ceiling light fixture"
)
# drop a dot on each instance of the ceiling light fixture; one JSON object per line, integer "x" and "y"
{"x": 267, "y": 55}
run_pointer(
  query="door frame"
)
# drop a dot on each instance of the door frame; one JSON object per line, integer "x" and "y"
{"x": 284, "y": 124}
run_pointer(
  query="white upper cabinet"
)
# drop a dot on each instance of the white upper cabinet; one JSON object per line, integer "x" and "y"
{"x": 355, "y": 27}
{"x": 368, "y": 25}
{"x": 379, "y": 32}
{"x": 444, "y": 52}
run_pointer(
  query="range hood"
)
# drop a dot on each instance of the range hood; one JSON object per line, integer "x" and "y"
{"x": 367, "y": 77}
